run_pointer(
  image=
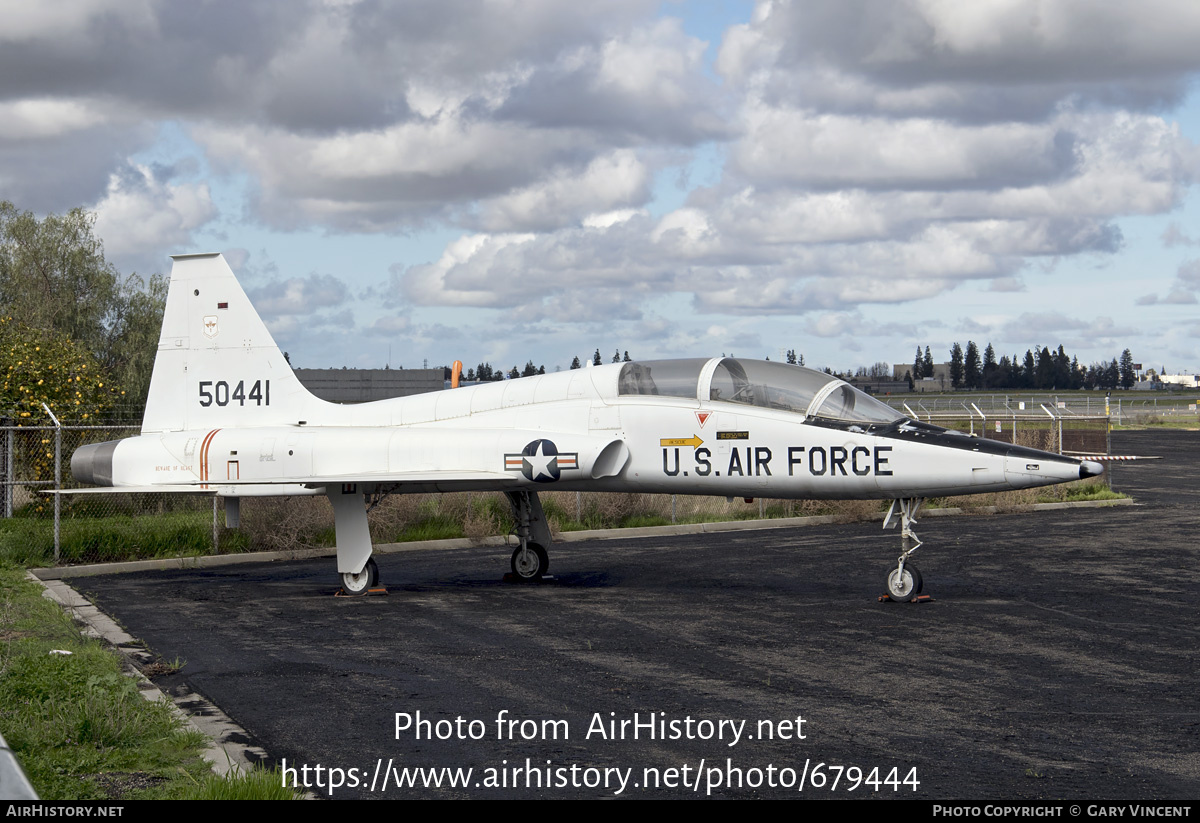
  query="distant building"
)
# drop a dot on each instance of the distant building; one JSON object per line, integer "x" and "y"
{"x": 877, "y": 386}
{"x": 365, "y": 385}
{"x": 1180, "y": 381}
{"x": 939, "y": 382}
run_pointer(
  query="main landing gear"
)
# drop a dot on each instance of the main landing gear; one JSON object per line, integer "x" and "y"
{"x": 530, "y": 559}
{"x": 904, "y": 582}
{"x": 361, "y": 583}
{"x": 355, "y": 564}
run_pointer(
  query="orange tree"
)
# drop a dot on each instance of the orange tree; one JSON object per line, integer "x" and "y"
{"x": 39, "y": 366}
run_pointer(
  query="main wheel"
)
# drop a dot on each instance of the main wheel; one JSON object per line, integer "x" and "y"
{"x": 904, "y": 586}
{"x": 365, "y": 579}
{"x": 530, "y": 562}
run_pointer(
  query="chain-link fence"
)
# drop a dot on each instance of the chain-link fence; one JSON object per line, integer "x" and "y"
{"x": 1131, "y": 408}
{"x": 39, "y": 529}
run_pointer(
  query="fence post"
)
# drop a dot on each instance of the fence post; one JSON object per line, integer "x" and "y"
{"x": 578, "y": 507}
{"x": 672, "y": 508}
{"x": 6, "y": 466}
{"x": 57, "y": 482}
{"x": 216, "y": 533}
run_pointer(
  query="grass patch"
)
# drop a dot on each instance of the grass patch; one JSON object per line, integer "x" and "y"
{"x": 436, "y": 527}
{"x": 77, "y": 723}
{"x": 257, "y": 784}
{"x": 29, "y": 541}
{"x": 1083, "y": 493}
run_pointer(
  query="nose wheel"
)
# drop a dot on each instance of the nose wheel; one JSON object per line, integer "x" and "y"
{"x": 904, "y": 582}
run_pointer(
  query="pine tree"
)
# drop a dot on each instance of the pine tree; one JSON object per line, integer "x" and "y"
{"x": 990, "y": 367}
{"x": 971, "y": 372}
{"x": 1128, "y": 375}
{"x": 956, "y": 365}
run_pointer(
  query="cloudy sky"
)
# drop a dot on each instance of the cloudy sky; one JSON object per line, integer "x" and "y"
{"x": 507, "y": 180}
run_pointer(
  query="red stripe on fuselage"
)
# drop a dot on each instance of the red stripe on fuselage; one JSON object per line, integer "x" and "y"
{"x": 208, "y": 438}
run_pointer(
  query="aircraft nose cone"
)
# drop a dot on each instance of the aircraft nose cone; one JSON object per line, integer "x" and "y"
{"x": 1090, "y": 468}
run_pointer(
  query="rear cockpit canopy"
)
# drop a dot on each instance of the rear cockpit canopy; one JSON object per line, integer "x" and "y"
{"x": 761, "y": 383}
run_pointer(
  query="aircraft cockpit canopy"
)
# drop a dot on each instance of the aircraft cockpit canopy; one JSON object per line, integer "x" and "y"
{"x": 760, "y": 383}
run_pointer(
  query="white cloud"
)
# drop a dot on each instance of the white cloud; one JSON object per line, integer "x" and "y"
{"x": 38, "y": 119}
{"x": 140, "y": 215}
{"x": 608, "y": 183}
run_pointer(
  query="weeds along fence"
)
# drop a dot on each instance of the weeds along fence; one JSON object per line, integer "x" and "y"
{"x": 40, "y": 529}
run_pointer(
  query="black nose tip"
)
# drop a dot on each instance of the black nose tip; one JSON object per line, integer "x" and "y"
{"x": 1090, "y": 468}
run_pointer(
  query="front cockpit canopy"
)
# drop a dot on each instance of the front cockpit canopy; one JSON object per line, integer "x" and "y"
{"x": 760, "y": 383}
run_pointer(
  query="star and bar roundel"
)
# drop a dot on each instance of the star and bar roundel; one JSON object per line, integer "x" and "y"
{"x": 541, "y": 461}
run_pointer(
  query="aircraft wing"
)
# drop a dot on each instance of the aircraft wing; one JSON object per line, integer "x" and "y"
{"x": 420, "y": 481}
{"x": 442, "y": 480}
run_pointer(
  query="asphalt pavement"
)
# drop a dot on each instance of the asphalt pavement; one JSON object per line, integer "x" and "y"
{"x": 1057, "y": 660}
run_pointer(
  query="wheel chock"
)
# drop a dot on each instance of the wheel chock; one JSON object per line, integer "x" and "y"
{"x": 376, "y": 590}
{"x": 920, "y": 598}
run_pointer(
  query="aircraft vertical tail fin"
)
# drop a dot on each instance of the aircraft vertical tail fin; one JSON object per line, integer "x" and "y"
{"x": 217, "y": 365}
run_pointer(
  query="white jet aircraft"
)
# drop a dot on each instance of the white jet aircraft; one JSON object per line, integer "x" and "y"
{"x": 227, "y": 416}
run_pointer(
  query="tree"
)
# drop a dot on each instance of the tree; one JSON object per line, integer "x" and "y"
{"x": 626, "y": 358}
{"x": 927, "y": 364}
{"x": 990, "y": 368}
{"x": 971, "y": 368}
{"x": 1112, "y": 375}
{"x": 1128, "y": 375}
{"x": 596, "y": 361}
{"x": 617, "y": 356}
{"x": 956, "y": 365}
{"x": 918, "y": 366}
{"x": 575, "y": 364}
{"x": 1045, "y": 369}
{"x": 39, "y": 366}
{"x": 529, "y": 369}
{"x": 53, "y": 276}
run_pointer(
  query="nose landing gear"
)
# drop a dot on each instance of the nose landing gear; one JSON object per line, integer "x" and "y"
{"x": 904, "y": 582}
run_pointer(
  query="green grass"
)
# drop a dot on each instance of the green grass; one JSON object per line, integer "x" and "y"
{"x": 75, "y": 721}
{"x": 434, "y": 527}
{"x": 78, "y": 725}
{"x": 29, "y": 540}
{"x": 1189, "y": 423}
{"x": 258, "y": 784}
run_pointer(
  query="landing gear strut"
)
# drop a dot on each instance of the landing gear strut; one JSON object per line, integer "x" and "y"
{"x": 530, "y": 560}
{"x": 904, "y": 582}
{"x": 355, "y": 564}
